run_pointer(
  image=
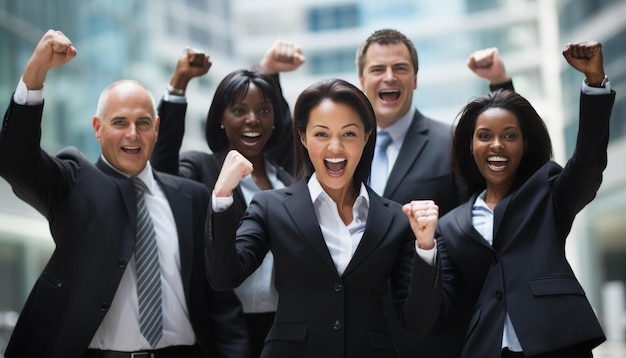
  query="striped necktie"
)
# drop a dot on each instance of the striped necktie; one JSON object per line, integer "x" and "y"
{"x": 148, "y": 271}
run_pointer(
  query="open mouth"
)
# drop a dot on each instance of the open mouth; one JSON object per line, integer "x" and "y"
{"x": 251, "y": 136}
{"x": 389, "y": 95}
{"x": 131, "y": 150}
{"x": 497, "y": 163}
{"x": 335, "y": 165}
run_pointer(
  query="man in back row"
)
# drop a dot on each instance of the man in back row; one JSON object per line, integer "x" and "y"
{"x": 412, "y": 160}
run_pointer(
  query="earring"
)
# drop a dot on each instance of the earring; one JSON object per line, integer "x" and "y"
{"x": 273, "y": 127}
{"x": 221, "y": 126}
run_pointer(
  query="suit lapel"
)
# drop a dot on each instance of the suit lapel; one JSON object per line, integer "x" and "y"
{"x": 414, "y": 141}
{"x": 301, "y": 211}
{"x": 464, "y": 222}
{"x": 498, "y": 214}
{"x": 127, "y": 191}
{"x": 379, "y": 219}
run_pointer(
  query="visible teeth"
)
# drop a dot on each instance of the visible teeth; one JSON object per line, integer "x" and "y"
{"x": 335, "y": 160}
{"x": 497, "y": 159}
{"x": 389, "y": 91}
{"x": 252, "y": 134}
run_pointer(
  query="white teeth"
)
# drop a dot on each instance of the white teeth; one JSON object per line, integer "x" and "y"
{"x": 335, "y": 160}
{"x": 251, "y": 134}
{"x": 497, "y": 159}
{"x": 389, "y": 91}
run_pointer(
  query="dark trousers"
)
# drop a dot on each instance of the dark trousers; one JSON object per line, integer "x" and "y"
{"x": 259, "y": 325}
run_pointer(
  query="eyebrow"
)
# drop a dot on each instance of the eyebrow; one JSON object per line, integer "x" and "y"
{"x": 326, "y": 127}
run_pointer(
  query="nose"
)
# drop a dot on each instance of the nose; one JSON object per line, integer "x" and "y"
{"x": 335, "y": 144}
{"x": 389, "y": 75}
{"x": 497, "y": 144}
{"x": 252, "y": 117}
{"x": 132, "y": 130}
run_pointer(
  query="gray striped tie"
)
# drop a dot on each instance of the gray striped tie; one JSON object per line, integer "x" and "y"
{"x": 148, "y": 271}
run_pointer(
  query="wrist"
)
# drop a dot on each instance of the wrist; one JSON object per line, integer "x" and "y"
{"x": 597, "y": 81}
{"x": 175, "y": 91}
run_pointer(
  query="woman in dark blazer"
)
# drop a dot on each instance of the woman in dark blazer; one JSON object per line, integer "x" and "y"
{"x": 503, "y": 252}
{"x": 244, "y": 115}
{"x": 339, "y": 248}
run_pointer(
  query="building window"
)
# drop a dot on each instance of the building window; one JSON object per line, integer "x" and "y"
{"x": 333, "y": 18}
{"x": 336, "y": 61}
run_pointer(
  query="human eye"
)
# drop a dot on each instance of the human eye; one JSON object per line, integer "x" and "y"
{"x": 238, "y": 110}
{"x": 350, "y": 134}
{"x": 510, "y": 136}
{"x": 144, "y": 123}
{"x": 483, "y": 136}
{"x": 401, "y": 69}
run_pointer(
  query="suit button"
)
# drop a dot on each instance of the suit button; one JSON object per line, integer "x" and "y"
{"x": 498, "y": 295}
{"x": 337, "y": 325}
{"x": 338, "y": 287}
{"x": 104, "y": 307}
{"x": 496, "y": 259}
{"x": 121, "y": 263}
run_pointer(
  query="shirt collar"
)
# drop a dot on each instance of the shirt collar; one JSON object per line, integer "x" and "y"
{"x": 317, "y": 192}
{"x": 145, "y": 175}
{"x": 480, "y": 201}
{"x": 398, "y": 130}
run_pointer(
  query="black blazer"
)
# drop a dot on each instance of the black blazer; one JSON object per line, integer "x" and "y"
{"x": 91, "y": 212}
{"x": 424, "y": 170}
{"x": 321, "y": 313}
{"x": 525, "y": 272}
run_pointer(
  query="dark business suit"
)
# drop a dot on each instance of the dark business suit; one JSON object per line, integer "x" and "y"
{"x": 91, "y": 212}
{"x": 424, "y": 170}
{"x": 321, "y": 313}
{"x": 525, "y": 272}
{"x": 205, "y": 168}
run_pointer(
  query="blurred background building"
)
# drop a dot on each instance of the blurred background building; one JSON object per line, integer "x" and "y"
{"x": 143, "y": 39}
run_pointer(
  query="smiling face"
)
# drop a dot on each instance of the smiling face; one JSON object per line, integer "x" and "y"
{"x": 498, "y": 148}
{"x": 335, "y": 137}
{"x": 248, "y": 123}
{"x": 127, "y": 127}
{"x": 388, "y": 80}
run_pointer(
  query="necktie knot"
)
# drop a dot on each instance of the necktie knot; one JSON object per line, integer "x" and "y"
{"x": 140, "y": 186}
{"x": 380, "y": 165}
{"x": 383, "y": 139}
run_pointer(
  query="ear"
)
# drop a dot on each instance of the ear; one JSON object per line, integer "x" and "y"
{"x": 302, "y": 136}
{"x": 367, "y": 136}
{"x": 95, "y": 123}
{"x": 471, "y": 147}
{"x": 157, "y": 125}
